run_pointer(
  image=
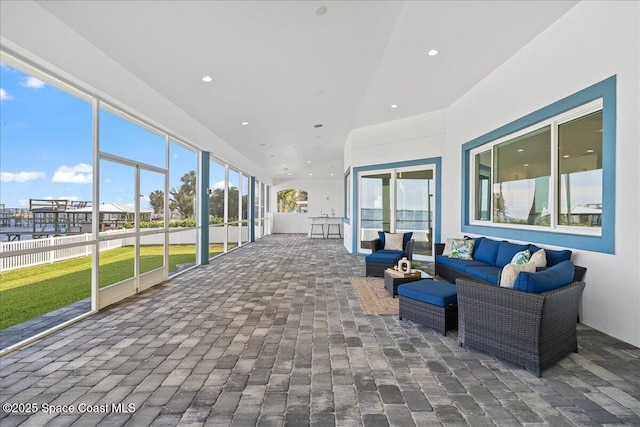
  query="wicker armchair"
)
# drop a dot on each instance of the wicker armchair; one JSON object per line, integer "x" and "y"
{"x": 531, "y": 330}
{"x": 377, "y": 269}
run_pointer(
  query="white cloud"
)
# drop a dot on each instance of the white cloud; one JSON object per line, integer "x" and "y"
{"x": 33, "y": 83}
{"x": 219, "y": 184}
{"x": 21, "y": 176}
{"x": 4, "y": 96}
{"x": 78, "y": 174}
{"x": 23, "y": 202}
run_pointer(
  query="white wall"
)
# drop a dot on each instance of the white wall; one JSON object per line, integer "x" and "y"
{"x": 323, "y": 195}
{"x": 593, "y": 41}
{"x": 417, "y": 137}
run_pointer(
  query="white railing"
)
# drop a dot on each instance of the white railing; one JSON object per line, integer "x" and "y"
{"x": 43, "y": 256}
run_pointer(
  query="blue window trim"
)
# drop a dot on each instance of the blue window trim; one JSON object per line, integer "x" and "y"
{"x": 437, "y": 161}
{"x": 347, "y": 214}
{"x": 605, "y": 243}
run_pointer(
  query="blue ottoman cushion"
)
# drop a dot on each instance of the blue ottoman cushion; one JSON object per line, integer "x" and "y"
{"x": 430, "y": 291}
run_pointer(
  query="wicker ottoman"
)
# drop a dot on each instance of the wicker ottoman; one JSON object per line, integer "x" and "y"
{"x": 431, "y": 303}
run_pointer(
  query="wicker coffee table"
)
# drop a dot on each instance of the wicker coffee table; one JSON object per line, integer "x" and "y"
{"x": 393, "y": 279}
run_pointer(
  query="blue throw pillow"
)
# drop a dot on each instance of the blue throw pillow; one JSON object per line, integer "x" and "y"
{"x": 542, "y": 281}
{"x": 486, "y": 250}
{"x": 556, "y": 257}
{"x": 381, "y": 237}
{"x": 506, "y": 251}
{"x": 405, "y": 239}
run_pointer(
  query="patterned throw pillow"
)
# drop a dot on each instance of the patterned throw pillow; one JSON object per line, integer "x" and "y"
{"x": 510, "y": 273}
{"x": 462, "y": 248}
{"x": 447, "y": 247}
{"x": 393, "y": 241}
{"x": 539, "y": 259}
{"x": 521, "y": 257}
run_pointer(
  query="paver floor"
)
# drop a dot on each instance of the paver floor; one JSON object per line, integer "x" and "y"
{"x": 273, "y": 334}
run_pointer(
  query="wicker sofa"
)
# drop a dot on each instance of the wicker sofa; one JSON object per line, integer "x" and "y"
{"x": 489, "y": 256}
{"x": 533, "y": 330}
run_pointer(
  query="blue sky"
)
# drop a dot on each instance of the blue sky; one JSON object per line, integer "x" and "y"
{"x": 46, "y": 147}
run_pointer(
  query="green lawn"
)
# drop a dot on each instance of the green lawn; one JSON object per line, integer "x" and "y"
{"x": 31, "y": 292}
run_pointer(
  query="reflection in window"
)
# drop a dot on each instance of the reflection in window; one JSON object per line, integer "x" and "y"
{"x": 292, "y": 200}
{"x": 483, "y": 186}
{"x": 580, "y": 169}
{"x": 522, "y": 172}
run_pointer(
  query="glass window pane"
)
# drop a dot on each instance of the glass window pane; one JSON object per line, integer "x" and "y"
{"x": 375, "y": 214}
{"x": 216, "y": 239}
{"x": 182, "y": 250}
{"x": 151, "y": 252}
{"x": 483, "y": 186}
{"x": 45, "y": 144}
{"x": 129, "y": 139}
{"x": 116, "y": 216}
{"x": 580, "y": 169}
{"x": 522, "y": 172}
{"x": 234, "y": 196}
{"x": 414, "y": 207}
{"x": 183, "y": 184}
{"x": 217, "y": 185}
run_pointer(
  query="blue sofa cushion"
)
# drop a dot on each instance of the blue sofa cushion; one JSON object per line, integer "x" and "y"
{"x": 546, "y": 280}
{"x": 430, "y": 291}
{"x": 486, "y": 250}
{"x": 506, "y": 251}
{"x": 458, "y": 264}
{"x": 384, "y": 257}
{"x": 405, "y": 238}
{"x": 488, "y": 273}
{"x": 556, "y": 257}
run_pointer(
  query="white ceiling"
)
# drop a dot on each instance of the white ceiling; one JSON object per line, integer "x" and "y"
{"x": 283, "y": 68}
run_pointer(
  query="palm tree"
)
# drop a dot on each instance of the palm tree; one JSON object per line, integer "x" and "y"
{"x": 156, "y": 202}
{"x": 288, "y": 199}
{"x": 183, "y": 199}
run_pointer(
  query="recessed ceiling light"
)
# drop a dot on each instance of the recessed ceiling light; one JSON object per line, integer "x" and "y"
{"x": 308, "y": 161}
{"x": 319, "y": 125}
{"x": 526, "y": 165}
{"x": 566, "y": 156}
{"x": 289, "y": 174}
{"x": 394, "y": 105}
{"x": 244, "y": 123}
{"x": 590, "y": 151}
{"x": 207, "y": 79}
{"x": 310, "y": 174}
{"x": 320, "y": 10}
{"x": 331, "y": 173}
{"x": 263, "y": 144}
{"x": 272, "y": 155}
{"x": 520, "y": 150}
{"x": 432, "y": 52}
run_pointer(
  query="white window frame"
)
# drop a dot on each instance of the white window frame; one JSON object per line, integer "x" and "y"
{"x": 554, "y": 122}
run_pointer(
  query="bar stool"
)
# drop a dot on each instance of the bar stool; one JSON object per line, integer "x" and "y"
{"x": 329, "y": 233}
{"x": 316, "y": 224}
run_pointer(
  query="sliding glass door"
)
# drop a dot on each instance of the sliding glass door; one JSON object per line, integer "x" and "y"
{"x": 397, "y": 201}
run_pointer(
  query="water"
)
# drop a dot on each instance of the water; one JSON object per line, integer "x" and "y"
{"x": 405, "y": 219}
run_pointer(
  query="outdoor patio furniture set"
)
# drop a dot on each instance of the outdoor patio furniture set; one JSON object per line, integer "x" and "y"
{"x": 502, "y": 299}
